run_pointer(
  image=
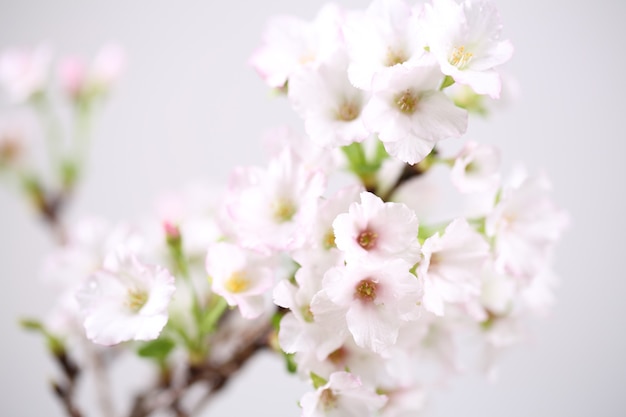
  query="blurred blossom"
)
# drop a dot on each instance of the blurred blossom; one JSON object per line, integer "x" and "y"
{"x": 24, "y": 72}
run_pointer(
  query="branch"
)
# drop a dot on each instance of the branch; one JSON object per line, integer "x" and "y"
{"x": 65, "y": 390}
{"x": 214, "y": 375}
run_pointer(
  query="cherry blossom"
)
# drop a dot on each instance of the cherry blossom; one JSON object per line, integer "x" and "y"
{"x": 375, "y": 298}
{"x": 24, "y": 72}
{"x": 525, "y": 225}
{"x": 125, "y": 300}
{"x": 330, "y": 105}
{"x": 273, "y": 207}
{"x": 451, "y": 266}
{"x": 388, "y": 33}
{"x": 409, "y": 113}
{"x": 290, "y": 43}
{"x": 343, "y": 395}
{"x": 376, "y": 230}
{"x": 476, "y": 168}
{"x": 465, "y": 39}
{"x": 240, "y": 277}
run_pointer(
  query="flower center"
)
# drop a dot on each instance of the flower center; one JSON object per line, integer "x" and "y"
{"x": 394, "y": 56}
{"x": 460, "y": 58}
{"x": 435, "y": 260}
{"x": 407, "y": 101}
{"x": 9, "y": 149}
{"x": 348, "y": 111}
{"x": 136, "y": 299}
{"x": 471, "y": 168}
{"x": 237, "y": 283}
{"x": 307, "y": 314}
{"x": 328, "y": 399}
{"x": 338, "y": 357}
{"x": 283, "y": 210}
{"x": 365, "y": 290}
{"x": 329, "y": 240}
{"x": 367, "y": 239}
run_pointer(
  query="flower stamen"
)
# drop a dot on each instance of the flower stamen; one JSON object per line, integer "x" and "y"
{"x": 394, "y": 57}
{"x": 348, "y": 111}
{"x": 365, "y": 290}
{"x": 237, "y": 282}
{"x": 367, "y": 239}
{"x": 283, "y": 210}
{"x": 407, "y": 102}
{"x": 460, "y": 58}
{"x": 136, "y": 299}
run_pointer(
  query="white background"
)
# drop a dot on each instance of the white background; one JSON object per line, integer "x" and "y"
{"x": 189, "y": 107}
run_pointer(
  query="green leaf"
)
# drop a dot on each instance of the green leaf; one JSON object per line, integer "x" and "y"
{"x": 447, "y": 82}
{"x": 356, "y": 157}
{"x": 32, "y": 325}
{"x": 292, "y": 366}
{"x": 317, "y": 380}
{"x": 55, "y": 344}
{"x": 157, "y": 349}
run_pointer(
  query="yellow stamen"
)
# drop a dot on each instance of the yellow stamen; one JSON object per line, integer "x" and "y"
{"x": 283, "y": 210}
{"x": 237, "y": 282}
{"x": 348, "y": 111}
{"x": 136, "y": 299}
{"x": 407, "y": 102}
{"x": 329, "y": 240}
{"x": 460, "y": 58}
{"x": 394, "y": 57}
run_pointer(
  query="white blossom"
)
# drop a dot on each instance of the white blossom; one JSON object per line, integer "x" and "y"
{"x": 465, "y": 39}
{"x": 375, "y": 230}
{"x": 343, "y": 395}
{"x": 240, "y": 277}
{"x": 125, "y": 300}
{"x": 409, "y": 113}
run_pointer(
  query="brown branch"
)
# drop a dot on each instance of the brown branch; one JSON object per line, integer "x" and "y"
{"x": 65, "y": 393}
{"x": 410, "y": 172}
{"x": 214, "y": 375}
{"x": 66, "y": 389}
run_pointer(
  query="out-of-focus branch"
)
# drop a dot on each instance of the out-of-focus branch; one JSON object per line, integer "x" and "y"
{"x": 65, "y": 389}
{"x": 213, "y": 375}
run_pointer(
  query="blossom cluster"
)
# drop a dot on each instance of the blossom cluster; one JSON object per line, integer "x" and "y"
{"x": 370, "y": 279}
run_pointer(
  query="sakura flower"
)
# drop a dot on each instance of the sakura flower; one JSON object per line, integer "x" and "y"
{"x": 465, "y": 40}
{"x": 371, "y": 367}
{"x": 343, "y": 395}
{"x": 451, "y": 266}
{"x": 81, "y": 80}
{"x": 273, "y": 208}
{"x": 376, "y": 299}
{"x": 525, "y": 225}
{"x": 328, "y": 103}
{"x": 125, "y": 300}
{"x": 386, "y": 34}
{"x": 409, "y": 113}
{"x": 377, "y": 230}
{"x": 24, "y": 72}
{"x": 239, "y": 277}
{"x": 320, "y": 251}
{"x": 300, "y": 329}
{"x": 290, "y": 44}
{"x": 476, "y": 168}
{"x": 499, "y": 291}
